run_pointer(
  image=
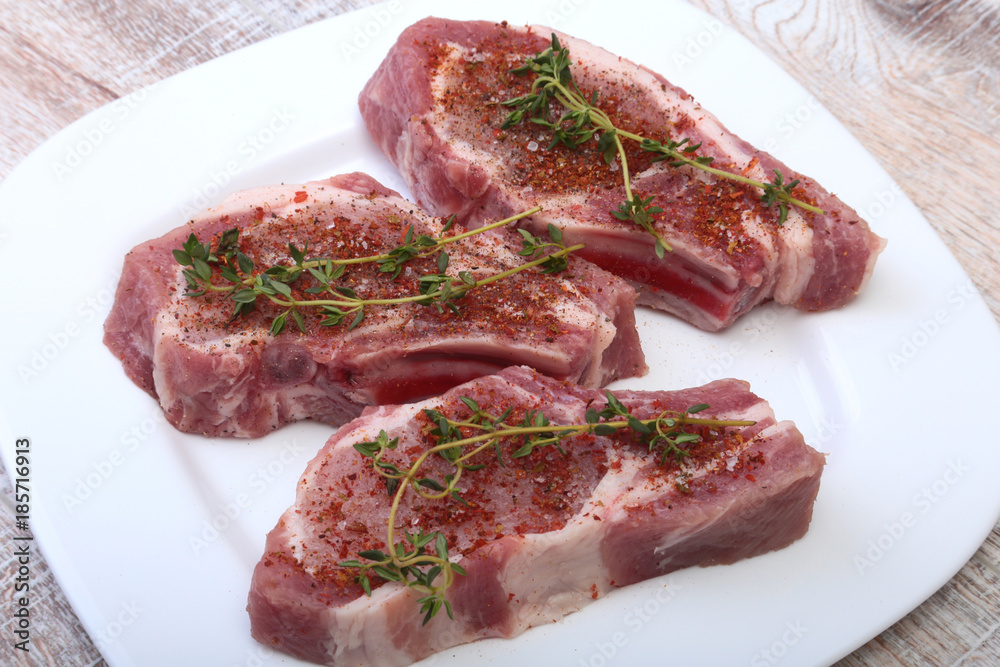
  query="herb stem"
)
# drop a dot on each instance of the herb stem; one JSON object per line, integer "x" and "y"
{"x": 603, "y": 121}
{"x": 527, "y": 265}
{"x": 441, "y": 242}
{"x": 553, "y": 81}
{"x": 624, "y": 161}
{"x": 486, "y": 228}
{"x": 244, "y": 283}
{"x": 403, "y": 565}
{"x": 457, "y": 291}
{"x": 575, "y": 428}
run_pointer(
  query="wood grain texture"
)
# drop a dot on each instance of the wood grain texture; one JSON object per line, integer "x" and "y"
{"x": 917, "y": 82}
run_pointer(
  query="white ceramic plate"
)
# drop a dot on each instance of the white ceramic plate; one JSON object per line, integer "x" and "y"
{"x": 153, "y": 534}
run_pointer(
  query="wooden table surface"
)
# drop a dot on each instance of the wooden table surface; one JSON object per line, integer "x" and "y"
{"x": 917, "y": 82}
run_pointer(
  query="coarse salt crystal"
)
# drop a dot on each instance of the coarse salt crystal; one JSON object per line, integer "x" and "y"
{"x": 532, "y": 146}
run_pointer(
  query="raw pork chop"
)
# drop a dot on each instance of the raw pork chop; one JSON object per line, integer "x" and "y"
{"x": 541, "y": 536}
{"x": 433, "y": 109}
{"x": 217, "y": 377}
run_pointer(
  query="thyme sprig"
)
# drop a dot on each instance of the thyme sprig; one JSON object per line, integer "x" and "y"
{"x": 581, "y": 120}
{"x": 458, "y": 441}
{"x": 229, "y": 271}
